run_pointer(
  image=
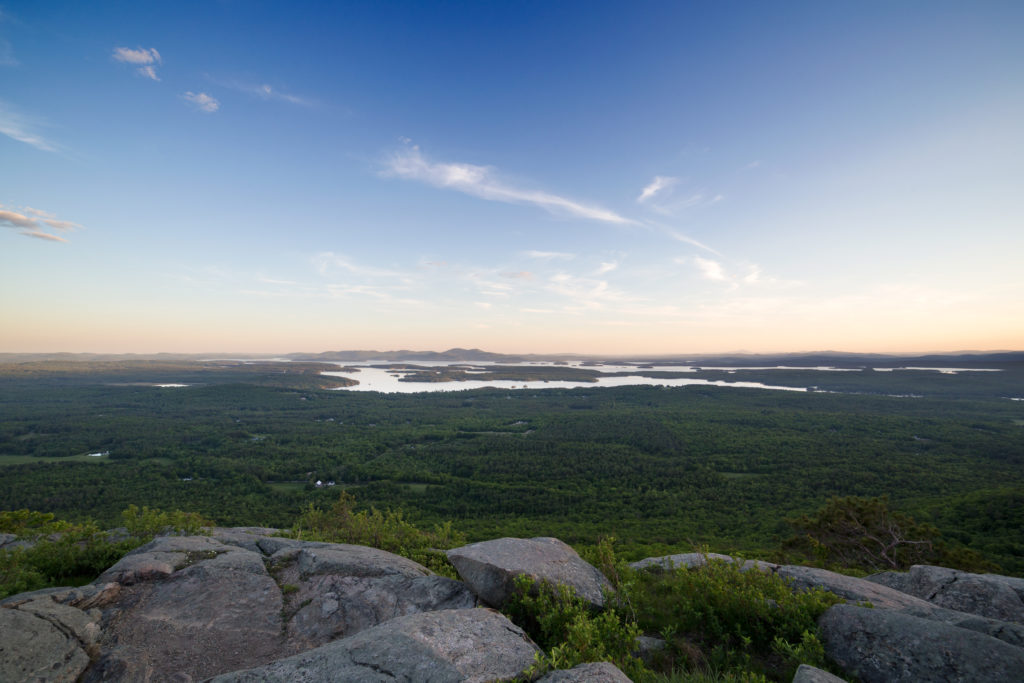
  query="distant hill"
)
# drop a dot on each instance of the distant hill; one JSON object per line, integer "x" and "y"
{"x": 824, "y": 358}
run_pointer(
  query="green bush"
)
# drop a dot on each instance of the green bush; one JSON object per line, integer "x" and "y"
{"x": 569, "y": 630}
{"x": 719, "y": 615}
{"x": 720, "y": 623}
{"x": 147, "y": 522}
{"x": 61, "y": 553}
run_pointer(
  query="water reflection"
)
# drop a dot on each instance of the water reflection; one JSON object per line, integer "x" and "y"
{"x": 386, "y": 380}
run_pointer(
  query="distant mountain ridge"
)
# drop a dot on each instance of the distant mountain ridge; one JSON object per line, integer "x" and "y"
{"x": 816, "y": 358}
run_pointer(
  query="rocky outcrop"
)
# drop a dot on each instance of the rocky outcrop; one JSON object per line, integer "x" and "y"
{"x": 490, "y": 568}
{"x": 849, "y": 587}
{"x": 342, "y": 589}
{"x": 596, "y": 672}
{"x": 886, "y": 645}
{"x": 35, "y": 648}
{"x": 186, "y": 608}
{"x": 51, "y": 634}
{"x": 690, "y": 560}
{"x": 986, "y": 595}
{"x": 189, "y": 607}
{"x": 242, "y": 605}
{"x": 450, "y": 645}
{"x": 810, "y": 674}
{"x": 882, "y": 597}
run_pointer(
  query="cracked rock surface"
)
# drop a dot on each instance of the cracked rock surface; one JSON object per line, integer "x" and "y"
{"x": 473, "y": 645}
{"x": 44, "y": 640}
{"x": 184, "y": 608}
{"x": 879, "y": 645}
{"x": 985, "y": 595}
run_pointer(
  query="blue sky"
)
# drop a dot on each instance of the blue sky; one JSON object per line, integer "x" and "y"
{"x": 663, "y": 177}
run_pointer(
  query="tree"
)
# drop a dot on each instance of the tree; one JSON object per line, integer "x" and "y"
{"x": 864, "y": 532}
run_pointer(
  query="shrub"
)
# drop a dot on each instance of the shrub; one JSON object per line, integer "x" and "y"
{"x": 150, "y": 522}
{"x": 719, "y": 615}
{"x": 864, "y": 533}
{"x": 58, "y": 552}
{"x": 720, "y": 623}
{"x": 570, "y": 630}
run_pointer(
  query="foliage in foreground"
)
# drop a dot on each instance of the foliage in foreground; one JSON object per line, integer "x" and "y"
{"x": 385, "y": 530}
{"x": 719, "y": 622}
{"x": 60, "y": 553}
{"x": 569, "y": 631}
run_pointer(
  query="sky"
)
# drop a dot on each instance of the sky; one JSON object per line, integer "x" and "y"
{"x": 523, "y": 177}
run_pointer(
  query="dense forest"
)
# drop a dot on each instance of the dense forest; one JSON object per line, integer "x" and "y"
{"x": 658, "y": 468}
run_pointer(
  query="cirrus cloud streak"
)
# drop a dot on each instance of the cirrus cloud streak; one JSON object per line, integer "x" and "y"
{"x": 482, "y": 182}
{"x": 30, "y": 225}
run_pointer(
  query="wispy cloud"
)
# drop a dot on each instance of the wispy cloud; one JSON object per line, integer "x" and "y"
{"x": 265, "y": 91}
{"x": 325, "y": 261}
{"x": 657, "y": 185}
{"x": 61, "y": 225}
{"x": 143, "y": 59}
{"x": 202, "y": 101}
{"x": 10, "y": 219}
{"x": 661, "y": 196}
{"x": 753, "y": 277}
{"x": 586, "y": 293}
{"x": 712, "y": 270}
{"x": 680, "y": 237}
{"x": 482, "y": 182}
{"x": 550, "y": 255}
{"x": 20, "y": 128}
{"x": 30, "y": 225}
{"x": 43, "y": 235}
{"x": 699, "y": 198}
{"x": 607, "y": 267}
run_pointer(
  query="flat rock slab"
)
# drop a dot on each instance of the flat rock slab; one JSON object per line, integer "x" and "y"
{"x": 355, "y": 560}
{"x": 878, "y": 645}
{"x": 598, "y": 672}
{"x": 687, "y": 560}
{"x": 472, "y": 645}
{"x": 986, "y": 595}
{"x": 691, "y": 560}
{"x": 34, "y": 649}
{"x": 490, "y": 568}
{"x": 849, "y": 587}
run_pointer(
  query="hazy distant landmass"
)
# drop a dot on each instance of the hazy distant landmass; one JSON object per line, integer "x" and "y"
{"x": 814, "y": 358}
